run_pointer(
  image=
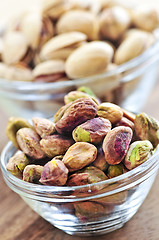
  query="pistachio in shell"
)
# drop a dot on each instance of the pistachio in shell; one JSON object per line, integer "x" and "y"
{"x": 17, "y": 163}
{"x": 44, "y": 127}
{"x": 29, "y": 142}
{"x": 138, "y": 152}
{"x": 147, "y": 128}
{"x": 116, "y": 144}
{"x": 87, "y": 90}
{"x": 88, "y": 60}
{"x": 13, "y": 125}
{"x": 79, "y": 155}
{"x": 80, "y": 21}
{"x": 100, "y": 161}
{"x": 55, "y": 145}
{"x": 93, "y": 130}
{"x": 126, "y": 122}
{"x": 78, "y": 112}
{"x": 115, "y": 170}
{"x": 54, "y": 173}
{"x": 32, "y": 173}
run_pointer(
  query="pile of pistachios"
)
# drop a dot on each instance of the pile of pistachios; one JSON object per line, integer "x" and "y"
{"x": 70, "y": 39}
{"x": 87, "y": 142}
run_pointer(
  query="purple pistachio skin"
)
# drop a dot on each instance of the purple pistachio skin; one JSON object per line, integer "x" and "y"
{"x": 54, "y": 173}
{"x": 29, "y": 142}
{"x": 93, "y": 130}
{"x": 32, "y": 173}
{"x": 44, "y": 127}
{"x": 78, "y": 112}
{"x": 55, "y": 145}
{"x": 116, "y": 144}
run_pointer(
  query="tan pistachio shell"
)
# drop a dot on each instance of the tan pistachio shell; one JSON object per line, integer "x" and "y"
{"x": 89, "y": 59}
{"x": 14, "y": 47}
{"x": 92, "y": 6}
{"x": 79, "y": 20}
{"x": 60, "y": 43}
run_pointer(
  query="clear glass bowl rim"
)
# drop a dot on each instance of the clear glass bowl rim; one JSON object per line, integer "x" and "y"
{"x": 32, "y": 86}
{"x": 42, "y": 189}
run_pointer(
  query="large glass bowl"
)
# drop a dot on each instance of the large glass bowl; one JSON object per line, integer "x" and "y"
{"x": 128, "y": 85}
{"x": 91, "y": 209}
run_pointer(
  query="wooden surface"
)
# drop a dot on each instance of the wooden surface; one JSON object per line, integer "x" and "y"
{"x": 19, "y": 222}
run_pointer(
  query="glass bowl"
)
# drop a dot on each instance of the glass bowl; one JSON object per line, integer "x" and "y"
{"x": 91, "y": 209}
{"x": 128, "y": 85}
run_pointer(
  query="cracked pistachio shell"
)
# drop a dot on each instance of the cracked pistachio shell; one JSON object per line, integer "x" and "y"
{"x": 88, "y": 60}
{"x": 79, "y": 155}
{"x": 78, "y": 112}
{"x": 93, "y": 130}
{"x": 32, "y": 173}
{"x": 100, "y": 161}
{"x": 17, "y": 163}
{"x": 114, "y": 22}
{"x": 138, "y": 153}
{"x": 55, "y": 145}
{"x": 87, "y": 175}
{"x": 74, "y": 95}
{"x": 54, "y": 173}
{"x": 116, "y": 144}
{"x": 43, "y": 126}
{"x": 59, "y": 114}
{"x": 110, "y": 111}
{"x": 80, "y": 21}
{"x": 132, "y": 46}
{"x": 147, "y": 128}
{"x": 29, "y": 142}
{"x": 13, "y": 125}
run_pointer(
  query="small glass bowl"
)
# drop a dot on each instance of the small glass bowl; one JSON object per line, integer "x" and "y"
{"x": 91, "y": 209}
{"x": 128, "y": 85}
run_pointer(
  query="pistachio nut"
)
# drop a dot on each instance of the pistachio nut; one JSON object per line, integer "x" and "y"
{"x": 93, "y": 130}
{"x": 115, "y": 170}
{"x": 79, "y": 155}
{"x": 88, "y": 5}
{"x": 126, "y": 122}
{"x": 62, "y": 45}
{"x": 147, "y": 128}
{"x": 44, "y": 127}
{"x": 116, "y": 144}
{"x": 145, "y": 18}
{"x": 114, "y": 21}
{"x": 80, "y": 21}
{"x": 100, "y": 161}
{"x": 74, "y": 95}
{"x": 138, "y": 152}
{"x": 54, "y": 173}
{"x": 13, "y": 125}
{"x": 17, "y": 163}
{"x": 32, "y": 173}
{"x": 110, "y": 111}
{"x": 78, "y": 112}
{"x": 90, "y": 59}
{"x": 132, "y": 46}
{"x": 29, "y": 142}
{"x": 49, "y": 71}
{"x": 59, "y": 114}
{"x": 87, "y": 90}
{"x": 55, "y": 145}
{"x": 129, "y": 115}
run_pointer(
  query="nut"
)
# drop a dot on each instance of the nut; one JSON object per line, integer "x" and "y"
{"x": 116, "y": 144}
{"x": 114, "y": 22}
{"x": 115, "y": 170}
{"x": 61, "y": 112}
{"x": 80, "y": 21}
{"x": 54, "y": 173}
{"x": 17, "y": 163}
{"x": 90, "y": 59}
{"x": 29, "y": 142}
{"x": 87, "y": 90}
{"x": 32, "y": 173}
{"x": 92, "y": 131}
{"x": 110, "y": 111}
{"x": 79, "y": 155}
{"x": 147, "y": 128}
{"x": 74, "y": 95}
{"x": 55, "y": 145}
{"x": 126, "y": 122}
{"x": 78, "y": 112}
{"x": 43, "y": 126}
{"x": 87, "y": 175}
{"x": 100, "y": 161}
{"x": 138, "y": 153}
{"x": 14, "y": 124}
